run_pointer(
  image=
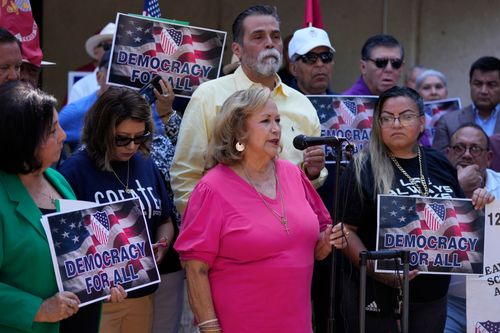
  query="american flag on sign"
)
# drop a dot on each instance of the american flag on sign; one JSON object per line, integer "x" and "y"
{"x": 408, "y": 216}
{"x": 347, "y": 110}
{"x": 434, "y": 110}
{"x": 170, "y": 44}
{"x": 99, "y": 223}
{"x": 170, "y": 40}
{"x": 344, "y": 112}
{"x": 74, "y": 237}
{"x": 434, "y": 214}
{"x": 151, "y": 8}
{"x": 364, "y": 113}
{"x": 487, "y": 327}
{"x": 345, "y": 116}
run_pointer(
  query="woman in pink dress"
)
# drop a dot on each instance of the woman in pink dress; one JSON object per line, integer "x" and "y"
{"x": 252, "y": 228}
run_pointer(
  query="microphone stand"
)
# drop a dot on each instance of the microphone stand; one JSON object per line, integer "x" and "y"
{"x": 333, "y": 270}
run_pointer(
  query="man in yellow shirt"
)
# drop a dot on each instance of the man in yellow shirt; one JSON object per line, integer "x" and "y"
{"x": 258, "y": 45}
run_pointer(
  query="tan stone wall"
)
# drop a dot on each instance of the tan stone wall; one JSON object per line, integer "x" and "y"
{"x": 447, "y": 35}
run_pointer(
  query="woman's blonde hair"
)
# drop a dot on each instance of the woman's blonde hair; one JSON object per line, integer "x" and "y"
{"x": 378, "y": 152}
{"x": 230, "y": 125}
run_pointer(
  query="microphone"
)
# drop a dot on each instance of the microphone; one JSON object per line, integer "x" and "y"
{"x": 301, "y": 141}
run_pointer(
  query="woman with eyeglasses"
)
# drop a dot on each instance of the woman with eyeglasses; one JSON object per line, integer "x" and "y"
{"x": 395, "y": 164}
{"x": 115, "y": 165}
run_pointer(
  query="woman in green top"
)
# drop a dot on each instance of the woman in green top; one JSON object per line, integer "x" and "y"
{"x": 31, "y": 141}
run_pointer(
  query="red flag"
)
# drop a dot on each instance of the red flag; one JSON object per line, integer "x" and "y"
{"x": 312, "y": 14}
{"x": 17, "y": 18}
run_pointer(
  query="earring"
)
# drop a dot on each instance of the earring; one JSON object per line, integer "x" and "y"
{"x": 239, "y": 146}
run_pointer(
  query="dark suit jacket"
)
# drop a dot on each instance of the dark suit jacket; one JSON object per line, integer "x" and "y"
{"x": 450, "y": 122}
{"x": 26, "y": 271}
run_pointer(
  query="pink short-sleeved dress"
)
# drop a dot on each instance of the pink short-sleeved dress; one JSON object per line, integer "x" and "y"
{"x": 260, "y": 275}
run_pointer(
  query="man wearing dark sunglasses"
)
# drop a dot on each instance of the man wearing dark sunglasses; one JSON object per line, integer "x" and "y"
{"x": 311, "y": 61}
{"x": 381, "y": 65}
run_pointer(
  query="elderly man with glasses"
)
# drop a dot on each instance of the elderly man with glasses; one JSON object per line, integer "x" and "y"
{"x": 469, "y": 151}
{"x": 381, "y": 65}
{"x": 311, "y": 61}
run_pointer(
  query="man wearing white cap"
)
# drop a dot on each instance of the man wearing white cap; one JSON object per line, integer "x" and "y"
{"x": 311, "y": 61}
{"x": 95, "y": 47}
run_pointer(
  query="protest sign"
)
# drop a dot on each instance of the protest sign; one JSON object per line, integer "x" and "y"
{"x": 345, "y": 116}
{"x": 444, "y": 236}
{"x": 483, "y": 291}
{"x": 183, "y": 55}
{"x": 436, "y": 109}
{"x": 99, "y": 247}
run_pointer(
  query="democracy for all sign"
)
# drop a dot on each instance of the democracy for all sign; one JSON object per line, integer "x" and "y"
{"x": 443, "y": 235}
{"x": 100, "y": 247}
{"x": 345, "y": 116}
{"x": 183, "y": 55}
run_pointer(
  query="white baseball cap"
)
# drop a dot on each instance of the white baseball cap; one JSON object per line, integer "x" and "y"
{"x": 306, "y": 39}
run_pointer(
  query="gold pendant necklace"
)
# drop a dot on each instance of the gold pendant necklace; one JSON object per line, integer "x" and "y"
{"x": 281, "y": 217}
{"x": 423, "y": 189}
{"x": 127, "y": 190}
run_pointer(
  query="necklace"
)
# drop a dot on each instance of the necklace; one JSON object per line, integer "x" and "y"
{"x": 281, "y": 217}
{"x": 51, "y": 198}
{"x": 422, "y": 189}
{"x": 127, "y": 190}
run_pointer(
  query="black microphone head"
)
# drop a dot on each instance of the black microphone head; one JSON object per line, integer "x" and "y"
{"x": 299, "y": 142}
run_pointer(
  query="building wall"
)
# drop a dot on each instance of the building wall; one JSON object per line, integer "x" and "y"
{"x": 447, "y": 35}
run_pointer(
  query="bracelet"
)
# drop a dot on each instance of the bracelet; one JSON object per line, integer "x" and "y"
{"x": 173, "y": 113}
{"x": 214, "y": 320}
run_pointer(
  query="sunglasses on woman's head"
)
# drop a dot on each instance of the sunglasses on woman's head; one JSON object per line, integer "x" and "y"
{"x": 382, "y": 62}
{"x": 121, "y": 140}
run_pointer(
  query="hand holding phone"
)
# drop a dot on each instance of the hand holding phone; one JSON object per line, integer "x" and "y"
{"x": 148, "y": 90}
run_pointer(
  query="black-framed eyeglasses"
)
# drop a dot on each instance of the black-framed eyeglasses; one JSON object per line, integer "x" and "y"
{"x": 121, "y": 140}
{"x": 406, "y": 119}
{"x": 382, "y": 62}
{"x": 105, "y": 45}
{"x": 311, "y": 57}
{"x": 474, "y": 150}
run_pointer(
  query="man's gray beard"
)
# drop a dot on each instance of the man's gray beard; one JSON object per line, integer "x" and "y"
{"x": 268, "y": 67}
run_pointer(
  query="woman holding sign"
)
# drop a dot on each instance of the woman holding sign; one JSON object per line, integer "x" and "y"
{"x": 394, "y": 163}
{"x": 115, "y": 165}
{"x": 31, "y": 142}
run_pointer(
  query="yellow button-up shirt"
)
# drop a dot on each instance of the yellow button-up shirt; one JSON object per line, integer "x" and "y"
{"x": 298, "y": 116}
